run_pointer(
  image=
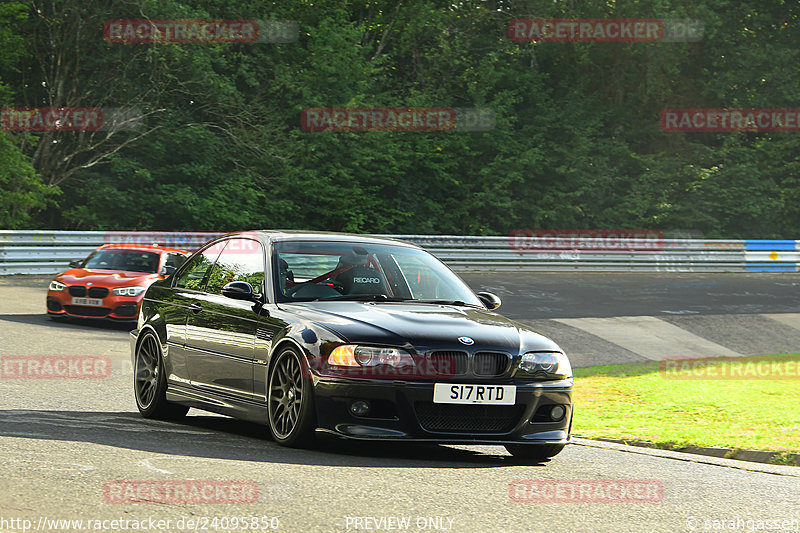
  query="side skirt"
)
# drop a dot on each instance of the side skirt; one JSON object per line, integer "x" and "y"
{"x": 250, "y": 411}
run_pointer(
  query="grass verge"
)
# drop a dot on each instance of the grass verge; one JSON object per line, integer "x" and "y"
{"x": 645, "y": 402}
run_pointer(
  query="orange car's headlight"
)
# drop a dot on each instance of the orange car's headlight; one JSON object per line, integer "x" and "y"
{"x": 128, "y": 291}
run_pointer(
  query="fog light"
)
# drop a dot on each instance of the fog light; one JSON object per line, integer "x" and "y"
{"x": 557, "y": 412}
{"x": 359, "y": 408}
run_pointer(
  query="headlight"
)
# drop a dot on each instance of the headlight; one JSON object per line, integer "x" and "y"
{"x": 128, "y": 291}
{"x": 56, "y": 286}
{"x": 368, "y": 356}
{"x": 550, "y": 364}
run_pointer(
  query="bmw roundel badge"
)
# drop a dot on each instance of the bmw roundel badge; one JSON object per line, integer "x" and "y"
{"x": 466, "y": 340}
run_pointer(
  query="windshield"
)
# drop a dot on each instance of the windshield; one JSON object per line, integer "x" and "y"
{"x": 318, "y": 270}
{"x": 127, "y": 260}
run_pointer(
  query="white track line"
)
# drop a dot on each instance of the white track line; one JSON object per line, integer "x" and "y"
{"x": 650, "y": 337}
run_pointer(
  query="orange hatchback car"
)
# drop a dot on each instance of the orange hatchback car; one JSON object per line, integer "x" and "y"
{"x": 111, "y": 282}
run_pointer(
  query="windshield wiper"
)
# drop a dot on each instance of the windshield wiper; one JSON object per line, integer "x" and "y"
{"x": 458, "y": 303}
{"x": 384, "y": 298}
{"x": 362, "y": 298}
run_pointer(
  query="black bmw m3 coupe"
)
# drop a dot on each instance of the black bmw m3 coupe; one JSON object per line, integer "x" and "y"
{"x": 359, "y": 337}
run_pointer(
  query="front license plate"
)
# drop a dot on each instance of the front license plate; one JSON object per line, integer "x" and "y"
{"x": 483, "y": 394}
{"x": 94, "y": 302}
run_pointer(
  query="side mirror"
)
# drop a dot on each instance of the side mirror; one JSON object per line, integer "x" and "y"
{"x": 239, "y": 290}
{"x": 168, "y": 270}
{"x": 76, "y": 263}
{"x": 491, "y": 301}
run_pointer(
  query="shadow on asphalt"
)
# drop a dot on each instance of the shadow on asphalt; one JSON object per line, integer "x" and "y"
{"x": 217, "y": 437}
{"x": 42, "y": 319}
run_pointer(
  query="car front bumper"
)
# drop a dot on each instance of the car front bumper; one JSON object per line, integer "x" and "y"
{"x": 404, "y": 410}
{"x": 118, "y": 308}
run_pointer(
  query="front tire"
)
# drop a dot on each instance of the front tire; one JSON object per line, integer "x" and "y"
{"x": 150, "y": 382}
{"x": 534, "y": 453}
{"x": 290, "y": 401}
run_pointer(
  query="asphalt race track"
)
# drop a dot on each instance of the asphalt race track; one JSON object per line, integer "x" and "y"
{"x": 67, "y": 444}
{"x": 605, "y": 318}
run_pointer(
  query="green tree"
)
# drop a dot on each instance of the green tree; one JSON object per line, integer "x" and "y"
{"x": 22, "y": 189}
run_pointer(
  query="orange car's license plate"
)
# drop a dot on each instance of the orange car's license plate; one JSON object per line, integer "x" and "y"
{"x": 94, "y": 302}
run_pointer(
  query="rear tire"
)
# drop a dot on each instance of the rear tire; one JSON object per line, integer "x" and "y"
{"x": 150, "y": 382}
{"x": 534, "y": 453}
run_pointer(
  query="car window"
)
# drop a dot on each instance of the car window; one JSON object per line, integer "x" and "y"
{"x": 309, "y": 266}
{"x": 125, "y": 260}
{"x": 424, "y": 282}
{"x": 319, "y": 270}
{"x": 194, "y": 274}
{"x": 175, "y": 260}
{"x": 240, "y": 260}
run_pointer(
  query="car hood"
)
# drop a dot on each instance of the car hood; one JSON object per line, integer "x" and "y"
{"x": 105, "y": 278}
{"x": 423, "y": 326}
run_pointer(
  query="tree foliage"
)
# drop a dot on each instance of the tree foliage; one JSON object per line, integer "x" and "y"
{"x": 576, "y": 144}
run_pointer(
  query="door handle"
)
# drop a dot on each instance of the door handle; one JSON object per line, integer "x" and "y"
{"x": 195, "y": 308}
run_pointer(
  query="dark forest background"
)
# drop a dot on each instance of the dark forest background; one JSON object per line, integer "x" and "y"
{"x": 577, "y": 142}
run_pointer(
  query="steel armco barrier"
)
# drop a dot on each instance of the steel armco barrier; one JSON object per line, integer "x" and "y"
{"x": 48, "y": 252}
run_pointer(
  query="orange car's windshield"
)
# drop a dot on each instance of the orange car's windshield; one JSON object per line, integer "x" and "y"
{"x": 126, "y": 260}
